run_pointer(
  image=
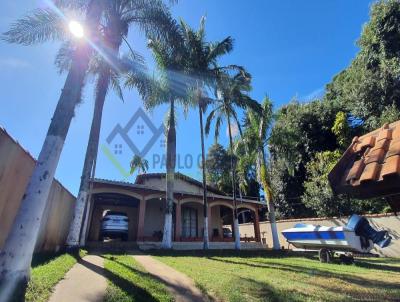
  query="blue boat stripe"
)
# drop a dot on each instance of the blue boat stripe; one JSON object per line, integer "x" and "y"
{"x": 313, "y": 235}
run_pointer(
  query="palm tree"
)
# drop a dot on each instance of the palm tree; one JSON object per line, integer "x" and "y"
{"x": 201, "y": 67}
{"x": 170, "y": 87}
{"x": 152, "y": 17}
{"x": 17, "y": 253}
{"x": 139, "y": 164}
{"x": 255, "y": 140}
{"x": 231, "y": 93}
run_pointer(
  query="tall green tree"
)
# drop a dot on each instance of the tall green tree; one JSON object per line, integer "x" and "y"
{"x": 151, "y": 17}
{"x": 299, "y": 132}
{"x": 256, "y": 137}
{"x": 200, "y": 65}
{"x": 369, "y": 88}
{"x": 218, "y": 168}
{"x": 231, "y": 93}
{"x": 17, "y": 253}
{"x": 171, "y": 87}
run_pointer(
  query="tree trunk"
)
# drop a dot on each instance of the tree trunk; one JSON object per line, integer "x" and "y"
{"x": 274, "y": 229}
{"x": 113, "y": 42}
{"x": 262, "y": 171}
{"x": 170, "y": 177}
{"x": 236, "y": 231}
{"x": 203, "y": 167}
{"x": 91, "y": 154}
{"x": 16, "y": 256}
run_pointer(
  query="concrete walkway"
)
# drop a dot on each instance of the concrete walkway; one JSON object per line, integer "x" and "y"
{"x": 178, "y": 284}
{"x": 83, "y": 283}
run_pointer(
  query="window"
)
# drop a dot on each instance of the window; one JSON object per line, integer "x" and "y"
{"x": 189, "y": 222}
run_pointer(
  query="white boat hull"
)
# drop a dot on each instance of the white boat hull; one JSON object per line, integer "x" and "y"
{"x": 334, "y": 238}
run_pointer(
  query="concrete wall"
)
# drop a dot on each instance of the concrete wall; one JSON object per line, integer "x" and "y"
{"x": 387, "y": 222}
{"x": 16, "y": 167}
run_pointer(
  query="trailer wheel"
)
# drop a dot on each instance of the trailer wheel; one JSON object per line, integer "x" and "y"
{"x": 346, "y": 259}
{"x": 325, "y": 255}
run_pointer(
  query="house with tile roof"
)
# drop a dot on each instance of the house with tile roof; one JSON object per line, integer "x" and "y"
{"x": 144, "y": 203}
{"x": 370, "y": 167}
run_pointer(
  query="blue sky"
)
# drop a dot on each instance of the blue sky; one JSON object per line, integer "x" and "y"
{"x": 292, "y": 49}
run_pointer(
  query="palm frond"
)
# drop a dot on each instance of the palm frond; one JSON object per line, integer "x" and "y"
{"x": 218, "y": 49}
{"x": 40, "y": 26}
{"x": 209, "y": 120}
{"x": 236, "y": 120}
{"x": 218, "y": 124}
{"x": 116, "y": 85}
{"x": 64, "y": 56}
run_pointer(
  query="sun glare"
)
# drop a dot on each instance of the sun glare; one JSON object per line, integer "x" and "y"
{"x": 76, "y": 29}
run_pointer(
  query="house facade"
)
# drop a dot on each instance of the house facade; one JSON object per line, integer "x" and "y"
{"x": 144, "y": 203}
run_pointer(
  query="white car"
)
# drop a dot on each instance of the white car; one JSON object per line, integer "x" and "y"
{"x": 114, "y": 225}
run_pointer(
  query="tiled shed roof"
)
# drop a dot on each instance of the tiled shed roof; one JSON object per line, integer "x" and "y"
{"x": 370, "y": 167}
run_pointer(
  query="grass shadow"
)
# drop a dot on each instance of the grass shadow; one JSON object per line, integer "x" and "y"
{"x": 129, "y": 288}
{"x": 175, "y": 287}
{"x": 360, "y": 281}
{"x": 44, "y": 257}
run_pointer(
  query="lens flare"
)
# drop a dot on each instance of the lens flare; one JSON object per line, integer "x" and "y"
{"x": 76, "y": 29}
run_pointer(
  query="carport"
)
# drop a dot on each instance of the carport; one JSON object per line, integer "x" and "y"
{"x": 114, "y": 202}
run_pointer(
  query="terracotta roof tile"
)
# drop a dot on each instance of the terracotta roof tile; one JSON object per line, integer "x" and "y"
{"x": 371, "y": 172}
{"x": 391, "y": 166}
{"x": 384, "y": 134}
{"x": 382, "y": 144}
{"x": 377, "y": 155}
{"x": 396, "y": 133}
{"x": 355, "y": 171}
{"x": 363, "y": 143}
{"x": 370, "y": 167}
{"x": 394, "y": 148}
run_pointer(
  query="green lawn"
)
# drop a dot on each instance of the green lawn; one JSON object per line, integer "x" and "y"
{"x": 128, "y": 281}
{"x": 47, "y": 271}
{"x": 267, "y": 276}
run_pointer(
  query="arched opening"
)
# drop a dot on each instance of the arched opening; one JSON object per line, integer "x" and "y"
{"x": 221, "y": 222}
{"x": 154, "y": 219}
{"x": 118, "y": 203}
{"x": 249, "y": 224}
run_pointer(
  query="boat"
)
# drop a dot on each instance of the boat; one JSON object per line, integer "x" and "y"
{"x": 357, "y": 236}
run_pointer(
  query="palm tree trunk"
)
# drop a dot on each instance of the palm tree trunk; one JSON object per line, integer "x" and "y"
{"x": 170, "y": 177}
{"x": 91, "y": 154}
{"x": 16, "y": 256}
{"x": 203, "y": 167}
{"x": 272, "y": 220}
{"x": 262, "y": 168}
{"x": 235, "y": 211}
{"x": 113, "y": 40}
